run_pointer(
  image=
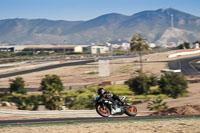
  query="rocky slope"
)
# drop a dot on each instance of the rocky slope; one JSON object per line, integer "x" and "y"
{"x": 154, "y": 25}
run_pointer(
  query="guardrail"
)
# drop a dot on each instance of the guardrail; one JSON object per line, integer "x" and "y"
{"x": 184, "y": 53}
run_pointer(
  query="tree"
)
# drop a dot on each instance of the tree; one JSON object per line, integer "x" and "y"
{"x": 139, "y": 45}
{"x": 185, "y": 45}
{"x": 141, "y": 84}
{"x": 17, "y": 85}
{"x": 173, "y": 84}
{"x": 153, "y": 80}
{"x": 52, "y": 87}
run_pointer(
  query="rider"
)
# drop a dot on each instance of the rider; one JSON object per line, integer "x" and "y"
{"x": 106, "y": 94}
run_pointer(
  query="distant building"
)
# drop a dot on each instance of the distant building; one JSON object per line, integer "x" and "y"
{"x": 58, "y": 48}
{"x": 152, "y": 45}
{"x": 50, "y": 48}
{"x": 19, "y": 48}
{"x": 81, "y": 49}
{"x": 125, "y": 46}
{"x": 93, "y": 49}
{"x": 116, "y": 46}
{"x": 7, "y": 48}
{"x": 98, "y": 49}
{"x": 195, "y": 45}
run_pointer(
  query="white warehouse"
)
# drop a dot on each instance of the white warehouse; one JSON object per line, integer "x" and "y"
{"x": 98, "y": 49}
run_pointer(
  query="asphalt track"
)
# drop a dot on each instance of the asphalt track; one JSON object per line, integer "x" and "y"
{"x": 188, "y": 66}
{"x": 46, "y": 68}
{"x": 79, "y": 62}
{"x": 89, "y": 119}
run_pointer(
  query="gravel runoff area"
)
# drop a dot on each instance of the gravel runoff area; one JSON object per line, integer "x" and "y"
{"x": 159, "y": 126}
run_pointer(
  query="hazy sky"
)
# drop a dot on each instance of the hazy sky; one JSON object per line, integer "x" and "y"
{"x": 88, "y": 9}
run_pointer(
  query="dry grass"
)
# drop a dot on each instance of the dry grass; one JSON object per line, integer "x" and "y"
{"x": 165, "y": 126}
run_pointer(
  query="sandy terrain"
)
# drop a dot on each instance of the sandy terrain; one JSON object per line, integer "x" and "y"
{"x": 164, "y": 126}
{"x": 120, "y": 69}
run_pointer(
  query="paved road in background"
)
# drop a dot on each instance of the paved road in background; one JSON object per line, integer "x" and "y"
{"x": 46, "y": 68}
{"x": 188, "y": 66}
{"x": 78, "y": 62}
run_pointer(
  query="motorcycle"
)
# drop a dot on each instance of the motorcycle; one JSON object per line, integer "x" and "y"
{"x": 105, "y": 107}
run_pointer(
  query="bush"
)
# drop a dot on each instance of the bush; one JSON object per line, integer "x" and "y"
{"x": 6, "y": 54}
{"x": 173, "y": 84}
{"x": 185, "y": 45}
{"x": 52, "y": 88}
{"x": 153, "y": 80}
{"x": 154, "y": 91}
{"x": 157, "y": 104}
{"x": 80, "y": 99}
{"x": 141, "y": 84}
{"x": 81, "y": 102}
{"x": 17, "y": 85}
{"x": 28, "y": 103}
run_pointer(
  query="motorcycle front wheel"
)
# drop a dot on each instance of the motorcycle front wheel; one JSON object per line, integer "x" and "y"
{"x": 131, "y": 110}
{"x": 103, "y": 110}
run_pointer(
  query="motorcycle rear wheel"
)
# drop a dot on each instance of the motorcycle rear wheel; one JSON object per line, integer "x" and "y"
{"x": 131, "y": 110}
{"x": 103, "y": 111}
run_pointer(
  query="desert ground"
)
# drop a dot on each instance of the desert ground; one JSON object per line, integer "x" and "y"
{"x": 160, "y": 126}
{"x": 120, "y": 70}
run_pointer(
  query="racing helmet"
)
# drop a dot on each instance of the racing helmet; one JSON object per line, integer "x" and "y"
{"x": 99, "y": 91}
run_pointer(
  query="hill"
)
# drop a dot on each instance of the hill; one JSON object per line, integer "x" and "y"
{"x": 155, "y": 25}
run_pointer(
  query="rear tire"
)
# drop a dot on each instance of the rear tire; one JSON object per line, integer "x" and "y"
{"x": 104, "y": 112}
{"x": 131, "y": 111}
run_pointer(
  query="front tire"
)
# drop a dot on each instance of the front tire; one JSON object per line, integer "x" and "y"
{"x": 103, "y": 110}
{"x": 131, "y": 110}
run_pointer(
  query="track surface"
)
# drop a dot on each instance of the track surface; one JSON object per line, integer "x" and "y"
{"x": 188, "y": 66}
{"x": 89, "y": 119}
{"x": 45, "y": 68}
{"x": 79, "y": 62}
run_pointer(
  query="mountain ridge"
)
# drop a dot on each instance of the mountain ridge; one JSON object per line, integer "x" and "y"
{"x": 152, "y": 24}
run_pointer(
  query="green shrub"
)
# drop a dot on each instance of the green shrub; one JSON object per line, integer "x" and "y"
{"x": 154, "y": 91}
{"x": 23, "y": 102}
{"x": 153, "y": 80}
{"x": 81, "y": 102}
{"x": 157, "y": 104}
{"x": 91, "y": 73}
{"x": 52, "y": 88}
{"x": 185, "y": 45}
{"x": 17, "y": 85}
{"x": 173, "y": 84}
{"x": 146, "y": 96}
{"x": 28, "y": 103}
{"x": 141, "y": 84}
